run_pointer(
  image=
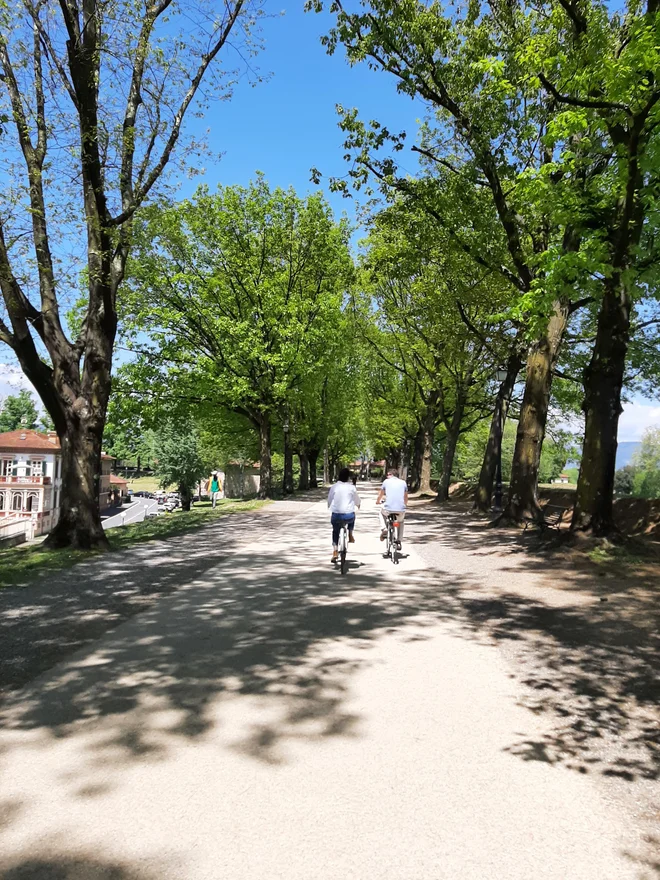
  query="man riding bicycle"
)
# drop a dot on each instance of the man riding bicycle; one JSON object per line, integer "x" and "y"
{"x": 394, "y": 491}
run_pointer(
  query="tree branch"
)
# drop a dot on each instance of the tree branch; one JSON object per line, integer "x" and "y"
{"x": 586, "y": 103}
{"x": 155, "y": 173}
{"x": 444, "y": 163}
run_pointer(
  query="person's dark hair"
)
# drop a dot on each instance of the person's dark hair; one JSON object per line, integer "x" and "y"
{"x": 394, "y": 472}
{"x": 344, "y": 475}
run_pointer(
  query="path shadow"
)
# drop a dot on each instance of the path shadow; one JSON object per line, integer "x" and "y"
{"x": 286, "y": 625}
{"x": 64, "y": 868}
{"x": 265, "y": 632}
{"x": 48, "y": 620}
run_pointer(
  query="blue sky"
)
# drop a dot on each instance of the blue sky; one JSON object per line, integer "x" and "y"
{"x": 287, "y": 125}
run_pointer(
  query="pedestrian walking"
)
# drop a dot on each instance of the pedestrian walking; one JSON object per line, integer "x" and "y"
{"x": 215, "y": 488}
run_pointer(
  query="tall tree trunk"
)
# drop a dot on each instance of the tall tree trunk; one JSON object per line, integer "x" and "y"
{"x": 453, "y": 433}
{"x": 186, "y": 496}
{"x": 522, "y": 500}
{"x": 393, "y": 458}
{"x": 426, "y": 441}
{"x": 77, "y": 401}
{"x": 405, "y": 458}
{"x": 326, "y": 465}
{"x": 447, "y": 465}
{"x": 484, "y": 493}
{"x": 416, "y": 459}
{"x": 303, "y": 479}
{"x": 428, "y": 435}
{"x": 79, "y": 524}
{"x": 265, "y": 462}
{"x": 603, "y": 380}
{"x": 287, "y": 478}
{"x": 313, "y": 456}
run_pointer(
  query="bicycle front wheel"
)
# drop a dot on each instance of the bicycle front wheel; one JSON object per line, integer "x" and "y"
{"x": 392, "y": 547}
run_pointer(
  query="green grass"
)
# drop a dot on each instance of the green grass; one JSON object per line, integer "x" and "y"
{"x": 21, "y": 565}
{"x": 170, "y": 524}
{"x": 144, "y": 484}
{"x": 606, "y": 554}
{"x": 573, "y": 474}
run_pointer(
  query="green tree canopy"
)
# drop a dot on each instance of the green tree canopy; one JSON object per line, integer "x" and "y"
{"x": 17, "y": 411}
{"x": 241, "y": 292}
{"x": 178, "y": 460}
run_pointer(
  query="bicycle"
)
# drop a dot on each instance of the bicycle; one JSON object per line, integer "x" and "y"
{"x": 342, "y": 548}
{"x": 393, "y": 544}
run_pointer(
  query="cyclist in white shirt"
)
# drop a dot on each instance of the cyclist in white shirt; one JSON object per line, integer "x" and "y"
{"x": 394, "y": 494}
{"x": 343, "y": 499}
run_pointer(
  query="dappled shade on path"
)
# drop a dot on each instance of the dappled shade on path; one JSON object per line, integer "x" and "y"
{"x": 590, "y": 667}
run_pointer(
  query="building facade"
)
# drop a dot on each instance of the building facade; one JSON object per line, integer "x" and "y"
{"x": 31, "y": 480}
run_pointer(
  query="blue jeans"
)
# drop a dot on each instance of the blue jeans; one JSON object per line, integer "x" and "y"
{"x": 338, "y": 520}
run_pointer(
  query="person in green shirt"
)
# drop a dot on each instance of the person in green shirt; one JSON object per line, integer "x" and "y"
{"x": 215, "y": 488}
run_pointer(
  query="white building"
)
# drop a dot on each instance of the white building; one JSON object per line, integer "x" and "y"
{"x": 30, "y": 479}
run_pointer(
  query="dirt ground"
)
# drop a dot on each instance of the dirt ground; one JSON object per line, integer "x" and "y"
{"x": 486, "y": 709}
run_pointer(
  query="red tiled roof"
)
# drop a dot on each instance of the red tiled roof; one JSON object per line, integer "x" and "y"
{"x": 28, "y": 441}
{"x": 33, "y": 441}
{"x": 117, "y": 481}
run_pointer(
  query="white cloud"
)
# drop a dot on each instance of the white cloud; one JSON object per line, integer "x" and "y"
{"x": 635, "y": 418}
{"x": 12, "y": 379}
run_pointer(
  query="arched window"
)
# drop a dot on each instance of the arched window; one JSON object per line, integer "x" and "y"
{"x": 2, "y": 500}
{"x": 17, "y": 502}
{"x": 32, "y": 502}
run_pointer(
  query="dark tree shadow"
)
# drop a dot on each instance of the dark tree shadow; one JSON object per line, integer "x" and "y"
{"x": 64, "y": 868}
{"x": 260, "y": 623}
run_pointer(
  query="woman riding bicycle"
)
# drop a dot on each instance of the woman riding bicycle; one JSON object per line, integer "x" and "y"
{"x": 343, "y": 499}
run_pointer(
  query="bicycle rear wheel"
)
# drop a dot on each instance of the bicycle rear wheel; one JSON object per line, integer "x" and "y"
{"x": 343, "y": 561}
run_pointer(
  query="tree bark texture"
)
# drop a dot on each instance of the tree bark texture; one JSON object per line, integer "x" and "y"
{"x": 428, "y": 434}
{"x": 451, "y": 441}
{"x": 303, "y": 479}
{"x": 186, "y": 496}
{"x": 79, "y": 525}
{"x": 265, "y": 461}
{"x": 541, "y": 360}
{"x": 416, "y": 460}
{"x": 393, "y": 458}
{"x": 313, "y": 457}
{"x": 603, "y": 381}
{"x": 484, "y": 493}
{"x": 405, "y": 458}
{"x": 287, "y": 479}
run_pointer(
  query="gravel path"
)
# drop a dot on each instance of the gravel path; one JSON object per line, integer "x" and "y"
{"x": 246, "y": 712}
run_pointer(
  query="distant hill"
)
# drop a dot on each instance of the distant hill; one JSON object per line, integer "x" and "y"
{"x": 625, "y": 451}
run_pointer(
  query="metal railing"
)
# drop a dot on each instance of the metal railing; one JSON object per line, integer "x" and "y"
{"x": 8, "y": 479}
{"x": 16, "y": 527}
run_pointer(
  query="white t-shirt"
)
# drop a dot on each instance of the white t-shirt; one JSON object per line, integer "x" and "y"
{"x": 343, "y": 498}
{"x": 395, "y": 490}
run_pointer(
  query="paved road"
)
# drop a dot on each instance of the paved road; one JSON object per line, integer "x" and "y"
{"x": 270, "y": 719}
{"x": 136, "y": 512}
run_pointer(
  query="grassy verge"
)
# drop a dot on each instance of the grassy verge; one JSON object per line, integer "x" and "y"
{"x": 20, "y": 565}
{"x": 605, "y": 554}
{"x": 144, "y": 484}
